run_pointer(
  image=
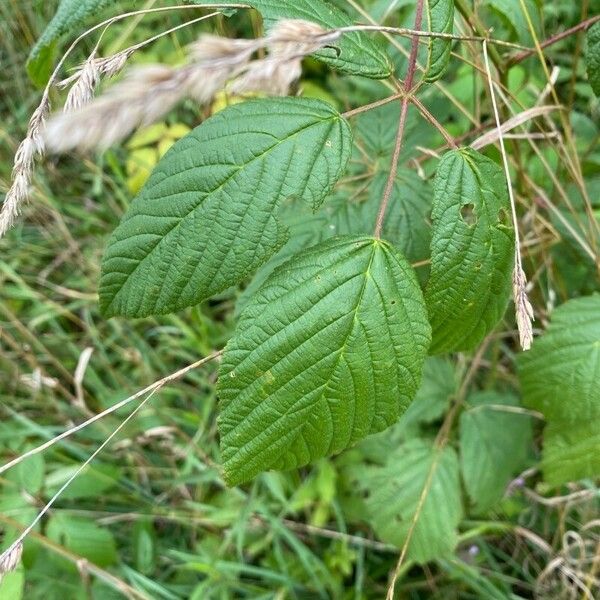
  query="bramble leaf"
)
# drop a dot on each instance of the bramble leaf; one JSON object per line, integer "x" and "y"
{"x": 560, "y": 377}
{"x": 440, "y": 19}
{"x": 329, "y": 350}
{"x": 354, "y": 53}
{"x": 387, "y": 497}
{"x": 438, "y": 386}
{"x": 593, "y": 57}
{"x": 206, "y": 218}
{"x": 472, "y": 251}
{"x": 69, "y": 15}
{"x": 494, "y": 439}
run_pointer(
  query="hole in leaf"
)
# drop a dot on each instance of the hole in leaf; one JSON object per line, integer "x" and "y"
{"x": 502, "y": 217}
{"x": 393, "y": 302}
{"x": 467, "y": 214}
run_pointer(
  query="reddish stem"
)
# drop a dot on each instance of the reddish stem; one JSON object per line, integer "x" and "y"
{"x": 517, "y": 58}
{"x": 408, "y": 83}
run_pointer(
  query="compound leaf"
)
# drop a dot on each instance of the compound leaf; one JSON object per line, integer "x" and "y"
{"x": 440, "y": 18}
{"x": 493, "y": 446}
{"x": 206, "y": 218}
{"x": 593, "y": 57}
{"x": 472, "y": 251}
{"x": 329, "y": 350}
{"x": 560, "y": 377}
{"x": 354, "y": 53}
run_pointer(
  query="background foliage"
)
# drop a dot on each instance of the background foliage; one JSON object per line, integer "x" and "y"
{"x": 152, "y": 518}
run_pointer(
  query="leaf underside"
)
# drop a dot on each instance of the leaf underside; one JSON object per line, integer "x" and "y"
{"x": 472, "y": 251}
{"x": 560, "y": 377}
{"x": 354, "y": 53}
{"x": 207, "y": 217}
{"x": 329, "y": 350}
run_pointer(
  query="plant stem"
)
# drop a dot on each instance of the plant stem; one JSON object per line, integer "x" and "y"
{"x": 408, "y": 83}
{"x": 517, "y": 58}
{"x": 429, "y": 117}
{"x": 480, "y": 30}
{"x": 372, "y": 105}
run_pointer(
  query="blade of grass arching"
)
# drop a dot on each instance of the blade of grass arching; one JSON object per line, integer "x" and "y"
{"x": 313, "y": 566}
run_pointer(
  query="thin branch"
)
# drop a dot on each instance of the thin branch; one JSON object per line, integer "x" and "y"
{"x": 429, "y": 117}
{"x": 431, "y": 34}
{"x": 356, "y": 111}
{"x": 408, "y": 82}
{"x": 440, "y": 442}
{"x": 17, "y": 545}
{"x": 517, "y": 58}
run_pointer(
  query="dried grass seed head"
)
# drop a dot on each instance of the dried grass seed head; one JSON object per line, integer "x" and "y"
{"x": 10, "y": 558}
{"x": 523, "y": 309}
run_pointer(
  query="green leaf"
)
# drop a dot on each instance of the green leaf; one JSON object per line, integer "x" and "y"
{"x": 390, "y": 495}
{"x": 69, "y": 15}
{"x": 560, "y": 377}
{"x": 12, "y": 585}
{"x": 513, "y": 16}
{"x": 28, "y": 475}
{"x": 406, "y": 224}
{"x": 593, "y": 57}
{"x": 206, "y": 218}
{"x": 376, "y": 130}
{"x": 440, "y": 19}
{"x": 330, "y": 350}
{"x": 472, "y": 251}
{"x": 84, "y": 538}
{"x": 494, "y": 439}
{"x": 407, "y": 220}
{"x": 354, "y": 53}
{"x": 438, "y": 385}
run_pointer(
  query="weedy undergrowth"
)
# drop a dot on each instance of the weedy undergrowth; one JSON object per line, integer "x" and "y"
{"x": 339, "y": 335}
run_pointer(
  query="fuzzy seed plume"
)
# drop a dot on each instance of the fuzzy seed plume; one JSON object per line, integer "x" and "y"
{"x": 147, "y": 93}
{"x": 10, "y": 558}
{"x": 523, "y": 309}
{"x": 288, "y": 43}
{"x": 29, "y": 148}
{"x": 82, "y": 91}
{"x": 298, "y": 37}
{"x": 113, "y": 116}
